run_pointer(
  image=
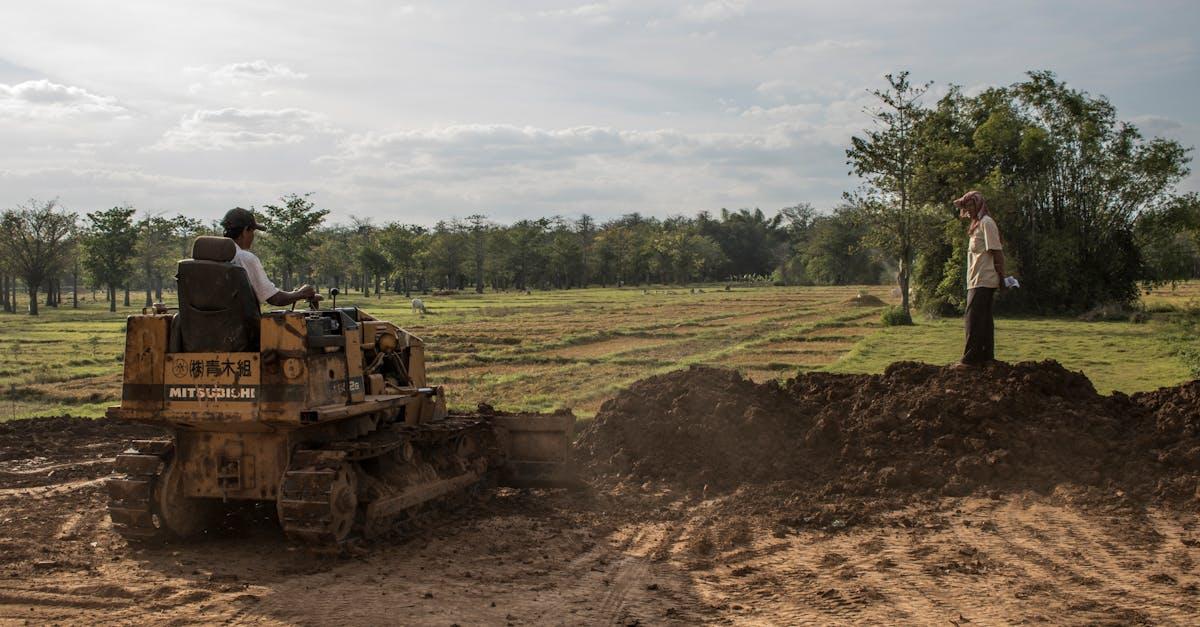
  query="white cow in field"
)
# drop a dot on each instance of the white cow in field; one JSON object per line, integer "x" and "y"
{"x": 418, "y": 305}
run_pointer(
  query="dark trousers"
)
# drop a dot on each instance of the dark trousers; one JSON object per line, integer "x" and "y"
{"x": 981, "y": 330}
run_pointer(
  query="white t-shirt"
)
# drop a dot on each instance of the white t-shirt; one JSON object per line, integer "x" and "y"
{"x": 263, "y": 287}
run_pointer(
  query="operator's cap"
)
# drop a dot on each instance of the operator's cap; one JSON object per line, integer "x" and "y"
{"x": 240, "y": 218}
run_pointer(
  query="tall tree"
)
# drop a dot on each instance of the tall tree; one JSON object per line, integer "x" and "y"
{"x": 478, "y": 226}
{"x": 886, "y": 157}
{"x": 33, "y": 240}
{"x": 109, "y": 241}
{"x": 403, "y": 245}
{"x": 157, "y": 242}
{"x": 289, "y": 233}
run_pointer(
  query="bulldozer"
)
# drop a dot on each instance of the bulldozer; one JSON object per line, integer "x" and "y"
{"x": 327, "y": 413}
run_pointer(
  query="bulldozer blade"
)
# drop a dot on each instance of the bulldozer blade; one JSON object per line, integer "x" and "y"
{"x": 537, "y": 451}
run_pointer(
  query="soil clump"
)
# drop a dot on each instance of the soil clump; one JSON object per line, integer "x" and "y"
{"x": 840, "y": 447}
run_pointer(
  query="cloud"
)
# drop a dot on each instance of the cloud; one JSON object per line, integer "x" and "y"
{"x": 233, "y": 128}
{"x": 258, "y": 70}
{"x": 244, "y": 74}
{"x": 714, "y": 11}
{"x": 596, "y": 12}
{"x": 42, "y": 99}
{"x": 827, "y": 46}
{"x": 1157, "y": 125}
{"x": 540, "y": 157}
{"x": 782, "y": 111}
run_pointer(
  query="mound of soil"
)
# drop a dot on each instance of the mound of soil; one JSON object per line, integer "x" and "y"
{"x": 865, "y": 300}
{"x": 915, "y": 429}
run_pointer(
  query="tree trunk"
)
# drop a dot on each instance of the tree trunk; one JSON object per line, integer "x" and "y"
{"x": 33, "y": 292}
{"x": 4, "y": 298}
{"x": 149, "y": 297}
{"x": 112, "y": 297}
{"x": 75, "y": 290}
{"x": 902, "y": 277}
{"x": 126, "y": 294}
{"x": 158, "y": 281}
{"x": 377, "y": 279}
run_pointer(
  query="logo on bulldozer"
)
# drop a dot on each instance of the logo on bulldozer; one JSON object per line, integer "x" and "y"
{"x": 211, "y": 378}
{"x": 211, "y": 393}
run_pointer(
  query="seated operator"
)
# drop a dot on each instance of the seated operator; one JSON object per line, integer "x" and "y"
{"x": 240, "y": 226}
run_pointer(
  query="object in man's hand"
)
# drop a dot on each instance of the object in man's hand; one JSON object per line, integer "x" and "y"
{"x": 1011, "y": 281}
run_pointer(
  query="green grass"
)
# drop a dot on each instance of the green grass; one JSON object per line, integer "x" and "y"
{"x": 1114, "y": 355}
{"x": 574, "y": 348}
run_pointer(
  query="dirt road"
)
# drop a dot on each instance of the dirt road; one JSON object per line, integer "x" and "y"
{"x": 646, "y": 556}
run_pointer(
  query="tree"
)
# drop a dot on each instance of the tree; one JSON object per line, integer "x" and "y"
{"x": 1066, "y": 180}
{"x": 479, "y": 227}
{"x": 886, "y": 158}
{"x": 33, "y": 241}
{"x": 289, "y": 233}
{"x": 332, "y": 259}
{"x": 403, "y": 245}
{"x": 108, "y": 244}
{"x": 1168, "y": 237}
{"x": 158, "y": 240}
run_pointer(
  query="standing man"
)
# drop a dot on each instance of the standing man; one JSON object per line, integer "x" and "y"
{"x": 239, "y": 225}
{"x": 985, "y": 275}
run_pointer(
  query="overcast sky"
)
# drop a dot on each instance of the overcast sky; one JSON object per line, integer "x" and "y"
{"x": 418, "y": 112}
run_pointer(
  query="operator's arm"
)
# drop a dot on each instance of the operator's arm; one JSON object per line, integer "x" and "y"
{"x": 283, "y": 299}
{"x": 998, "y": 259}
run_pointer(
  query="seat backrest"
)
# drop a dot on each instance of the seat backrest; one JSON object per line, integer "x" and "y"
{"x": 218, "y": 310}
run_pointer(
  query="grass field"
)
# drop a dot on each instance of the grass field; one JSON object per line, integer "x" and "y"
{"x": 574, "y": 348}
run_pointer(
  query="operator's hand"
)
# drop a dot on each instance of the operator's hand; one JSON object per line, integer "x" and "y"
{"x": 306, "y": 292}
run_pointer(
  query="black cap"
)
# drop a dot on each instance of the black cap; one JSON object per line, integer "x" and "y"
{"x": 238, "y": 218}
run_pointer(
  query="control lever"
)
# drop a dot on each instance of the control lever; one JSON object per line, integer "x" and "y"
{"x": 334, "y": 293}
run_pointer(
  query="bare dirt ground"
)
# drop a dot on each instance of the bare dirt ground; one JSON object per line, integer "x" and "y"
{"x": 843, "y": 541}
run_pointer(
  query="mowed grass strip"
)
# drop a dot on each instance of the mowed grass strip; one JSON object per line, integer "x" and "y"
{"x": 574, "y": 348}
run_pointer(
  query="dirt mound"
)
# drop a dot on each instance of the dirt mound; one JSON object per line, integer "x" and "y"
{"x": 865, "y": 300}
{"x": 915, "y": 429}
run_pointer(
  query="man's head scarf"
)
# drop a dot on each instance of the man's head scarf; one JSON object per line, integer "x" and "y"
{"x": 974, "y": 200}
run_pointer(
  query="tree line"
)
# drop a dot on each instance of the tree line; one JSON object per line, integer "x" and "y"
{"x": 1088, "y": 208}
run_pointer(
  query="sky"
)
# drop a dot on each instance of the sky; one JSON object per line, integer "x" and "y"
{"x": 419, "y": 112}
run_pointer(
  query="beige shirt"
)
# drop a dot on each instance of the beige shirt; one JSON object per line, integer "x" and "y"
{"x": 981, "y": 267}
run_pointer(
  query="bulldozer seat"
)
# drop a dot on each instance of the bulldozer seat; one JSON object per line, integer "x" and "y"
{"x": 218, "y": 310}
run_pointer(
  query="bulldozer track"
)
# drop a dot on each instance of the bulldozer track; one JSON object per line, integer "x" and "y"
{"x": 131, "y": 490}
{"x": 319, "y": 503}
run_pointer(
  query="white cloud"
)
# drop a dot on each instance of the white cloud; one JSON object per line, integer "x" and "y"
{"x": 714, "y": 10}
{"x": 782, "y": 111}
{"x": 826, "y": 46}
{"x": 244, "y": 74}
{"x": 258, "y": 70}
{"x": 42, "y": 99}
{"x": 596, "y": 12}
{"x": 233, "y": 128}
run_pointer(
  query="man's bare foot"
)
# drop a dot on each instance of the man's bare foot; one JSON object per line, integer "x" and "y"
{"x": 962, "y": 365}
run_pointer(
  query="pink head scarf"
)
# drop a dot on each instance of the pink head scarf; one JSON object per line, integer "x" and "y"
{"x": 973, "y": 200}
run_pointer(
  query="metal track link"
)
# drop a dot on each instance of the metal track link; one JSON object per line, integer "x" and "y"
{"x": 131, "y": 490}
{"x": 307, "y": 503}
{"x": 309, "y": 508}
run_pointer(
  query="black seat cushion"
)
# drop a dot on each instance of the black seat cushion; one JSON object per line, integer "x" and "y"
{"x": 218, "y": 310}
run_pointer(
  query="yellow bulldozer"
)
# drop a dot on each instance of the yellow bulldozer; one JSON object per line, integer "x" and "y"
{"x": 327, "y": 412}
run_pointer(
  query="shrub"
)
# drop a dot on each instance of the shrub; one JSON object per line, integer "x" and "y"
{"x": 939, "y": 307}
{"x": 1108, "y": 312}
{"x": 895, "y": 316}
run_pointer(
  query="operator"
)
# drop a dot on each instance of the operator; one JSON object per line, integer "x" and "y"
{"x": 240, "y": 226}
